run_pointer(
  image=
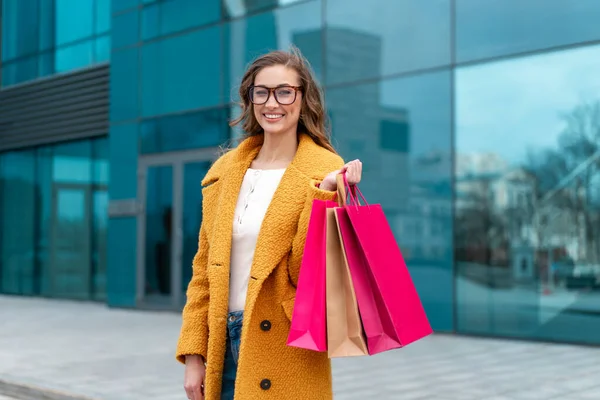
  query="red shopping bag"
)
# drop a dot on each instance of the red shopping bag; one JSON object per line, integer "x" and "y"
{"x": 389, "y": 304}
{"x": 309, "y": 318}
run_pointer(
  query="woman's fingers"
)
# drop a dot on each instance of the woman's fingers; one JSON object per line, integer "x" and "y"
{"x": 353, "y": 172}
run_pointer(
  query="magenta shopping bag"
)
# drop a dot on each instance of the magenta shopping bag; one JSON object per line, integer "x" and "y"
{"x": 309, "y": 318}
{"x": 389, "y": 304}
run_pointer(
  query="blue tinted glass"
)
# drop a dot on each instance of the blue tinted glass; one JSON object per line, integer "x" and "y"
{"x": 182, "y": 132}
{"x": 150, "y": 22}
{"x": 121, "y": 266}
{"x": 248, "y": 38}
{"x": 233, "y": 9}
{"x": 46, "y": 25}
{"x": 102, "y": 47}
{"x": 178, "y": 15}
{"x": 74, "y": 20}
{"x": 100, "y": 172}
{"x": 103, "y": 16}
{"x": 497, "y": 28}
{"x": 385, "y": 37}
{"x": 125, "y": 29}
{"x": 75, "y": 56}
{"x": 192, "y": 214}
{"x": 18, "y": 193}
{"x": 123, "y": 151}
{"x": 45, "y": 217}
{"x": 120, "y": 5}
{"x": 528, "y": 197}
{"x": 175, "y": 78}
{"x": 124, "y": 85}
{"x": 46, "y": 64}
{"x": 19, "y": 71}
{"x": 401, "y": 131}
{"x": 18, "y": 37}
{"x": 70, "y": 261}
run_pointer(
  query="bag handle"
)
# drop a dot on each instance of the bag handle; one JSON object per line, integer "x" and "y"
{"x": 344, "y": 189}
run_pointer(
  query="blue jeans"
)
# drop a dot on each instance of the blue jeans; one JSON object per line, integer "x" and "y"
{"x": 232, "y": 353}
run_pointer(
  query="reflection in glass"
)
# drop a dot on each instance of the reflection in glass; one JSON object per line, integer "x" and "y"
{"x": 125, "y": 29}
{"x": 18, "y": 192}
{"x": 497, "y": 28}
{"x": 177, "y": 79}
{"x": 159, "y": 211}
{"x": 53, "y": 208}
{"x": 193, "y": 173}
{"x": 247, "y": 38}
{"x": 236, "y": 8}
{"x": 183, "y": 132}
{"x": 385, "y": 37}
{"x": 74, "y": 20}
{"x": 400, "y": 129}
{"x": 167, "y": 17}
{"x": 527, "y": 204}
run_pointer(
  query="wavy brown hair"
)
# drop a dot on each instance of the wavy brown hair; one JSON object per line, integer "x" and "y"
{"x": 313, "y": 118}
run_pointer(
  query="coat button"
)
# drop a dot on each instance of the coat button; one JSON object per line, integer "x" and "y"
{"x": 265, "y": 384}
{"x": 265, "y": 325}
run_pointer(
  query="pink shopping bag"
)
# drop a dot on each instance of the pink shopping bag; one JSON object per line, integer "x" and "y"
{"x": 389, "y": 304}
{"x": 309, "y": 318}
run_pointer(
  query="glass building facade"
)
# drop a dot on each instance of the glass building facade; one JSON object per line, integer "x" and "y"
{"x": 478, "y": 124}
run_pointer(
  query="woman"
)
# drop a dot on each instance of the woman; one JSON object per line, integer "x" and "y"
{"x": 257, "y": 201}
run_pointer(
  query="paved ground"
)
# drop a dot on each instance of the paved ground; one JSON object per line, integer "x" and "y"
{"x": 89, "y": 350}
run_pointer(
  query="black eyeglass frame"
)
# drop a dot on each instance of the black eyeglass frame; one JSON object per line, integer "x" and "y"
{"x": 272, "y": 90}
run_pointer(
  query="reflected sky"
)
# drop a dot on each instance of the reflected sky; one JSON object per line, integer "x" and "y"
{"x": 512, "y": 106}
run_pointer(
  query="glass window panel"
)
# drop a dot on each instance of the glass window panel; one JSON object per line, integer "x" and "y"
{"x": 159, "y": 212}
{"x": 175, "y": 78}
{"x": 191, "y": 217}
{"x": 527, "y": 204}
{"x": 150, "y": 22}
{"x": 46, "y": 64}
{"x": 125, "y": 29}
{"x": 103, "y": 16}
{"x": 73, "y": 57}
{"x": 182, "y": 132}
{"x": 17, "y": 240}
{"x": 123, "y": 153}
{"x": 124, "y": 85}
{"x": 46, "y": 25}
{"x": 100, "y": 217}
{"x": 71, "y": 216}
{"x": 178, "y": 15}
{"x": 45, "y": 199}
{"x": 19, "y": 71}
{"x": 74, "y": 20}
{"x": 121, "y": 5}
{"x": 247, "y": 38}
{"x": 20, "y": 28}
{"x": 236, "y": 8}
{"x": 401, "y": 131}
{"x": 385, "y": 37}
{"x": 102, "y": 48}
{"x": 497, "y": 28}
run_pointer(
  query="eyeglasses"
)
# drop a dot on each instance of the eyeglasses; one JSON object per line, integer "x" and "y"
{"x": 284, "y": 95}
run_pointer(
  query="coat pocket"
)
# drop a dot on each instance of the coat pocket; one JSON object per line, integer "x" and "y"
{"x": 288, "y": 307}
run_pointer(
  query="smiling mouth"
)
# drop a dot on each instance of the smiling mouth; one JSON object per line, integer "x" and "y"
{"x": 273, "y": 116}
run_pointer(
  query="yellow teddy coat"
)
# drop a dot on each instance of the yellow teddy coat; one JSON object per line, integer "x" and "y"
{"x": 267, "y": 367}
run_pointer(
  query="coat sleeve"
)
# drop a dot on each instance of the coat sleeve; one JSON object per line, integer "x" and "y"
{"x": 193, "y": 339}
{"x": 295, "y": 257}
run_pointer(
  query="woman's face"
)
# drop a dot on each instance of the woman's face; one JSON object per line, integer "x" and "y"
{"x": 274, "y": 117}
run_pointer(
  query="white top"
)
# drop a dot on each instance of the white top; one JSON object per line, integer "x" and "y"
{"x": 253, "y": 201}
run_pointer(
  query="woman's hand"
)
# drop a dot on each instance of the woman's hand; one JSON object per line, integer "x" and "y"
{"x": 353, "y": 171}
{"x": 195, "y": 372}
